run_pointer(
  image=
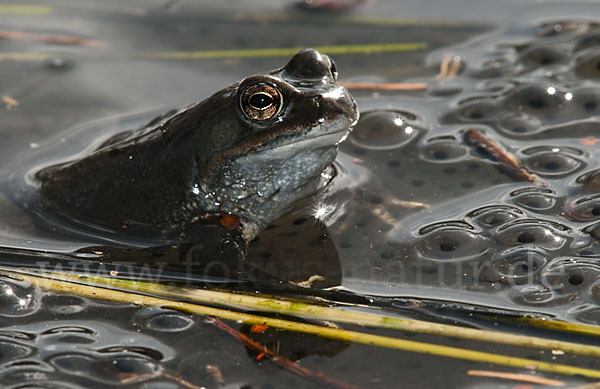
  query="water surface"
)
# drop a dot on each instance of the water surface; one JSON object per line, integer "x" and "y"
{"x": 416, "y": 211}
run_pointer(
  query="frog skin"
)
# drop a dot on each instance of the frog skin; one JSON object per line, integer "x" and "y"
{"x": 250, "y": 150}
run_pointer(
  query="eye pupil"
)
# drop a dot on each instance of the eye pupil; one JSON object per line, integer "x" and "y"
{"x": 260, "y": 100}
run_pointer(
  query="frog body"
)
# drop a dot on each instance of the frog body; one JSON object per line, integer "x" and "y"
{"x": 250, "y": 151}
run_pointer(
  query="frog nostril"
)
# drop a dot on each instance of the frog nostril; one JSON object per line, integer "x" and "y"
{"x": 333, "y": 69}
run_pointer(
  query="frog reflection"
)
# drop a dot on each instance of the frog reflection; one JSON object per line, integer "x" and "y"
{"x": 250, "y": 150}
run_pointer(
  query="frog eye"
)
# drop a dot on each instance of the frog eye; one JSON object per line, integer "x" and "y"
{"x": 261, "y": 101}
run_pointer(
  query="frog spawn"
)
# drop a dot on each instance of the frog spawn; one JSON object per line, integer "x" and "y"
{"x": 538, "y": 96}
{"x": 17, "y": 298}
{"x": 91, "y": 353}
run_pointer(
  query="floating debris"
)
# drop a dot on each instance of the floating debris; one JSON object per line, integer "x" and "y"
{"x": 449, "y": 67}
{"x": 281, "y": 361}
{"x": 48, "y": 38}
{"x": 331, "y": 5}
{"x": 10, "y": 102}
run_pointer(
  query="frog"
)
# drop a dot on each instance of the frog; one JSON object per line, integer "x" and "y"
{"x": 216, "y": 172}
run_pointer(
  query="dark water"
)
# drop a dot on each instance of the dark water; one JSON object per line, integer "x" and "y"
{"x": 416, "y": 210}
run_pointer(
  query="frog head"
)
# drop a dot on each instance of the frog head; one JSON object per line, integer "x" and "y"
{"x": 274, "y": 141}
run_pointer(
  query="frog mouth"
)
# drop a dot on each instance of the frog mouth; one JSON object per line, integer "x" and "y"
{"x": 328, "y": 139}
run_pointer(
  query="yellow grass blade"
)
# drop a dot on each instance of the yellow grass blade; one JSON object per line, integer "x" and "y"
{"x": 313, "y": 311}
{"x": 288, "y": 51}
{"x": 24, "y": 9}
{"x": 62, "y": 286}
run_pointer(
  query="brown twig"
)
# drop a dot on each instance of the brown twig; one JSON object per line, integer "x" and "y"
{"x": 388, "y": 86}
{"x": 506, "y": 159}
{"x": 10, "y": 101}
{"x": 47, "y": 38}
{"x": 135, "y": 378}
{"x": 449, "y": 67}
{"x": 516, "y": 377}
{"x": 281, "y": 361}
{"x": 589, "y": 141}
